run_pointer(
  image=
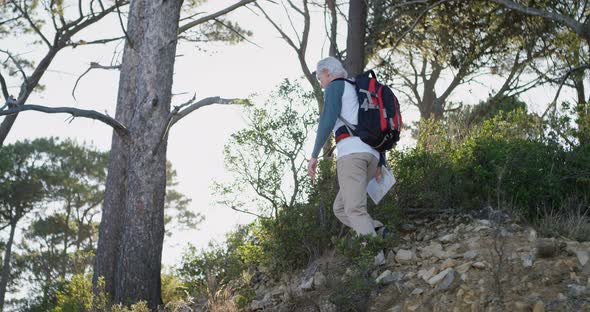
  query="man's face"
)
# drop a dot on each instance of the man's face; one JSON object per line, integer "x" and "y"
{"x": 324, "y": 77}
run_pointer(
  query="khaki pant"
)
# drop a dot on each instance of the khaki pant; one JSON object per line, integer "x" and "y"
{"x": 350, "y": 207}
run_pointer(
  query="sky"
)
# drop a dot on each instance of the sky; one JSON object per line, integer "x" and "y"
{"x": 195, "y": 144}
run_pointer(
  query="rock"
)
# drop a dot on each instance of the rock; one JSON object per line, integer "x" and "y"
{"x": 327, "y": 306}
{"x": 417, "y": 291}
{"x": 397, "y": 308}
{"x": 521, "y": 306}
{"x": 561, "y": 297}
{"x": 407, "y": 227}
{"x": 256, "y": 305}
{"x": 447, "y": 238}
{"x": 439, "y": 277}
{"x": 539, "y": 306}
{"x": 527, "y": 261}
{"x": 426, "y": 274}
{"x": 388, "y": 277}
{"x": 576, "y": 290}
{"x": 532, "y": 235}
{"x": 547, "y": 248}
{"x": 434, "y": 249}
{"x": 319, "y": 280}
{"x": 470, "y": 255}
{"x": 447, "y": 281}
{"x": 583, "y": 257}
{"x": 449, "y": 263}
{"x": 307, "y": 284}
{"x": 390, "y": 257}
{"x": 484, "y": 222}
{"x": 479, "y": 265}
{"x": 404, "y": 256}
{"x": 463, "y": 268}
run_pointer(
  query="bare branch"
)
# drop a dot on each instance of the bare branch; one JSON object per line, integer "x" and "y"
{"x": 283, "y": 34}
{"x": 75, "y": 112}
{"x": 93, "y": 65}
{"x": 209, "y": 17}
{"x": 204, "y": 102}
{"x": 101, "y": 41}
{"x": 291, "y": 20}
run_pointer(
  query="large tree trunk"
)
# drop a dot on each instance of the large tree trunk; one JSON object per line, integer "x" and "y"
{"x": 132, "y": 227}
{"x": 355, "y": 41}
{"x": 6, "y": 265}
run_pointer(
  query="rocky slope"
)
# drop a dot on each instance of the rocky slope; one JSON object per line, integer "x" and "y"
{"x": 451, "y": 263}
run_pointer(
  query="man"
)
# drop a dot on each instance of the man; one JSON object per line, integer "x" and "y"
{"x": 357, "y": 163}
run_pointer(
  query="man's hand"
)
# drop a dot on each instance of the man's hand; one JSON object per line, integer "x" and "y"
{"x": 379, "y": 174}
{"x": 312, "y": 168}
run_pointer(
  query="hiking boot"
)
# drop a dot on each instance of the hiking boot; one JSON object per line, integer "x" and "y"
{"x": 382, "y": 231}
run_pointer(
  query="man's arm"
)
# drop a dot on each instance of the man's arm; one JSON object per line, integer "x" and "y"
{"x": 332, "y": 109}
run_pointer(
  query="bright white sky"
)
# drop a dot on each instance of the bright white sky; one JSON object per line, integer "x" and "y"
{"x": 196, "y": 143}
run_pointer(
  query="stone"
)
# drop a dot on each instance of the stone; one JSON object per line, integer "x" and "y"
{"x": 397, "y": 308}
{"x": 521, "y": 306}
{"x": 417, "y": 291}
{"x": 576, "y": 290}
{"x": 539, "y": 306}
{"x": 256, "y": 305}
{"x": 472, "y": 254}
{"x": 447, "y": 281}
{"x": 484, "y": 222}
{"x": 327, "y": 306}
{"x": 388, "y": 277}
{"x": 319, "y": 280}
{"x": 547, "y": 248}
{"x": 407, "y": 227}
{"x": 561, "y": 297}
{"x": 463, "y": 268}
{"x": 307, "y": 284}
{"x": 479, "y": 265}
{"x": 391, "y": 257}
{"x": 583, "y": 257}
{"x": 439, "y": 277}
{"x": 527, "y": 261}
{"x": 447, "y": 238}
{"x": 404, "y": 256}
{"x": 449, "y": 263}
{"x": 532, "y": 235}
{"x": 427, "y": 274}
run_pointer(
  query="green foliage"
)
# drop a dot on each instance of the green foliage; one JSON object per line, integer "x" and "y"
{"x": 78, "y": 296}
{"x": 512, "y": 160}
{"x": 268, "y": 157}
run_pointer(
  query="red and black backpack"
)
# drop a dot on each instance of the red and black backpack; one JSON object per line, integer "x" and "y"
{"x": 379, "y": 117}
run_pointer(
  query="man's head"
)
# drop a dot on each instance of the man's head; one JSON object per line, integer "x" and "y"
{"x": 329, "y": 69}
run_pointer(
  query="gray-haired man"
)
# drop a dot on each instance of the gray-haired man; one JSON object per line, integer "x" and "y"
{"x": 357, "y": 163}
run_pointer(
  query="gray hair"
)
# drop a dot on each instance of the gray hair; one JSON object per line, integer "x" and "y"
{"x": 333, "y": 66}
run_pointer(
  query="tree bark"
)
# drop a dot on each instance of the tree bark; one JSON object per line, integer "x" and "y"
{"x": 6, "y": 265}
{"x": 355, "y": 41}
{"x": 129, "y": 256}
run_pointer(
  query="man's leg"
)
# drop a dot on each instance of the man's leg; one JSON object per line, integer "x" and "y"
{"x": 339, "y": 210}
{"x": 353, "y": 171}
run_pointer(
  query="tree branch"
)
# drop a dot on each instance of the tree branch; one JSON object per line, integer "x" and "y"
{"x": 28, "y": 18}
{"x": 4, "y": 87}
{"x": 93, "y": 65}
{"x": 554, "y": 102}
{"x": 209, "y": 17}
{"x": 576, "y": 26}
{"x": 75, "y": 112}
